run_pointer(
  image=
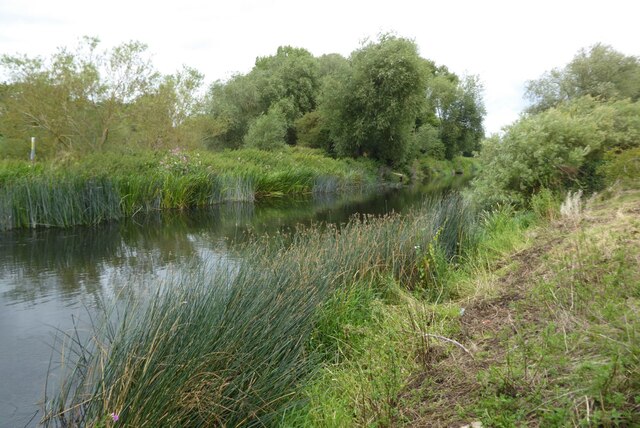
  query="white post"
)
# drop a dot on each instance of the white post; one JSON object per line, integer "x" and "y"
{"x": 32, "y": 157}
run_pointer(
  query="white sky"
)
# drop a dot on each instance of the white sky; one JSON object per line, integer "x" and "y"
{"x": 506, "y": 43}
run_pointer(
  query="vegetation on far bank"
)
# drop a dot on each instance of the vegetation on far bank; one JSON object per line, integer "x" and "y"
{"x": 384, "y": 102}
{"x": 107, "y": 186}
{"x": 114, "y": 137}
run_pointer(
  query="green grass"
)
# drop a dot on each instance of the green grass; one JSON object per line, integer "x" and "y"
{"x": 108, "y": 186}
{"x": 551, "y": 320}
{"x": 581, "y": 367}
{"x": 234, "y": 344}
{"x": 374, "y": 337}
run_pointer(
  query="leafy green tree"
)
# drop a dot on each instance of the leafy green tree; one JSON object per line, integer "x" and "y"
{"x": 166, "y": 116}
{"x": 288, "y": 79}
{"x": 268, "y": 131}
{"x": 332, "y": 65}
{"x": 600, "y": 72}
{"x": 76, "y": 100}
{"x": 51, "y": 100}
{"x": 459, "y": 111}
{"x": 231, "y": 107}
{"x": 292, "y": 74}
{"x": 312, "y": 131}
{"x": 427, "y": 142}
{"x": 559, "y": 148}
{"x": 372, "y": 110}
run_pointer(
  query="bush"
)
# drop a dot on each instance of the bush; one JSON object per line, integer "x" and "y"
{"x": 312, "y": 132}
{"x": 558, "y": 149}
{"x": 426, "y": 141}
{"x": 622, "y": 167}
{"x": 268, "y": 131}
{"x": 545, "y": 204}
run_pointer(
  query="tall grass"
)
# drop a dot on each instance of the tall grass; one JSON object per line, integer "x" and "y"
{"x": 48, "y": 202}
{"x": 227, "y": 344}
{"x": 110, "y": 186}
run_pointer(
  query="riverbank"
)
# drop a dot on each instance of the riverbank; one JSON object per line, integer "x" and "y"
{"x": 110, "y": 186}
{"x": 113, "y": 185}
{"x": 259, "y": 309}
{"x": 537, "y": 326}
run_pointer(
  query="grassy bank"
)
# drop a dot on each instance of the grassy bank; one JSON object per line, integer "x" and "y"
{"x": 382, "y": 335}
{"x": 108, "y": 186}
{"x": 536, "y": 325}
{"x": 553, "y": 339}
{"x": 439, "y": 317}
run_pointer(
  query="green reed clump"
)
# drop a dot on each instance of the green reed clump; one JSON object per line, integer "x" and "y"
{"x": 45, "y": 201}
{"x": 55, "y": 194}
{"x": 227, "y": 343}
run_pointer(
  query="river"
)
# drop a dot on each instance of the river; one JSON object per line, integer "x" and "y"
{"x": 50, "y": 278}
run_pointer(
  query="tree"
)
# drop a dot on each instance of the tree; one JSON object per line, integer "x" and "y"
{"x": 459, "y": 111}
{"x": 373, "y": 108}
{"x": 600, "y": 72}
{"x": 558, "y": 148}
{"x": 288, "y": 79}
{"x": 268, "y": 131}
{"x": 231, "y": 107}
{"x": 75, "y": 100}
{"x": 312, "y": 131}
{"x": 165, "y": 116}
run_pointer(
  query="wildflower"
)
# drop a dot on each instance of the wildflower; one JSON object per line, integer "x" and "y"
{"x": 115, "y": 416}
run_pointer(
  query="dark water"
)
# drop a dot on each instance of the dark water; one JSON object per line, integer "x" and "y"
{"x": 49, "y": 277}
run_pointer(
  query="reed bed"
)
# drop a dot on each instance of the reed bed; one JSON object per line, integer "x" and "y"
{"x": 227, "y": 344}
{"x": 110, "y": 186}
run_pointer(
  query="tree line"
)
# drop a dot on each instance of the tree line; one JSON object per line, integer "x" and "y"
{"x": 384, "y": 101}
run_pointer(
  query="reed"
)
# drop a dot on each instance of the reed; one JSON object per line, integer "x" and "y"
{"x": 108, "y": 186}
{"x": 228, "y": 343}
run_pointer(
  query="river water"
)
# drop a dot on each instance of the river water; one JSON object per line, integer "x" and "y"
{"x": 50, "y": 278}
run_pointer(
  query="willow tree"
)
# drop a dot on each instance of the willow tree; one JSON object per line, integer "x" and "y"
{"x": 77, "y": 99}
{"x": 600, "y": 72}
{"x": 372, "y": 110}
{"x": 286, "y": 82}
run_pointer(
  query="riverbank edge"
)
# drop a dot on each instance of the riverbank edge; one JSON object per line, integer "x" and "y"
{"x": 538, "y": 326}
{"x": 111, "y": 186}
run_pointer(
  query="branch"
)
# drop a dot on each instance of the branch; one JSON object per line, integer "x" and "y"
{"x": 446, "y": 339}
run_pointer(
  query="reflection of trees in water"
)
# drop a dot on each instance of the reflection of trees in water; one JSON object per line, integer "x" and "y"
{"x": 67, "y": 262}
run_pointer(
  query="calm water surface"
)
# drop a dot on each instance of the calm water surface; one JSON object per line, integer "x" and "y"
{"x": 51, "y": 277}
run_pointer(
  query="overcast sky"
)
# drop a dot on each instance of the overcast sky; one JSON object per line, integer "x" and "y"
{"x": 506, "y": 43}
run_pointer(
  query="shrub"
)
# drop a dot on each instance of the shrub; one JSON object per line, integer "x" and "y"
{"x": 268, "y": 131}
{"x": 558, "y": 149}
{"x": 621, "y": 166}
{"x": 545, "y": 204}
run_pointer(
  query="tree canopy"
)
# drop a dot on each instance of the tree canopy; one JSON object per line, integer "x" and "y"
{"x": 600, "y": 72}
{"x": 373, "y": 109}
{"x": 88, "y": 99}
